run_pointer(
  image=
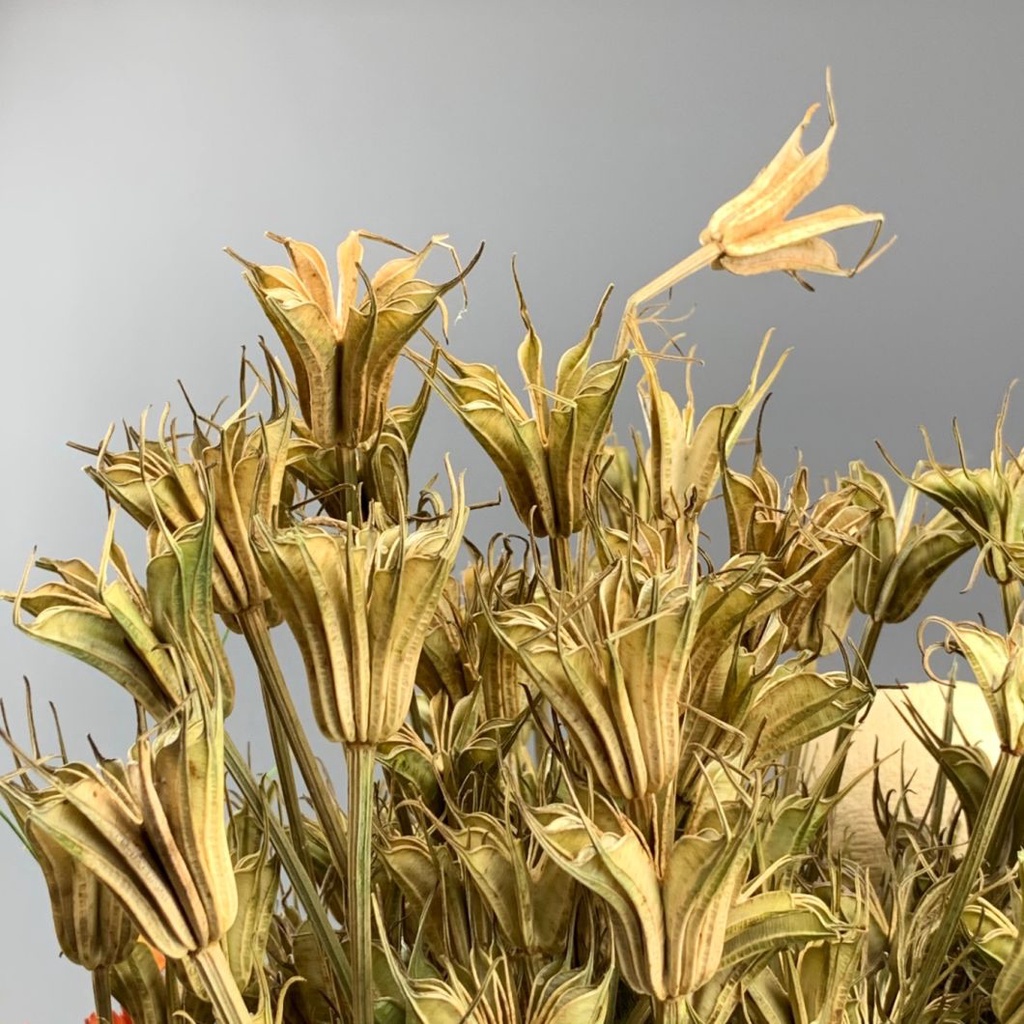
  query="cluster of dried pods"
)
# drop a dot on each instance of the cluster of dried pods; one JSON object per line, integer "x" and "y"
{"x": 573, "y": 760}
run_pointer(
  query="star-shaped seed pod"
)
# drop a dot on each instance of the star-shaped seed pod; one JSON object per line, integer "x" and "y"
{"x": 152, "y": 830}
{"x": 343, "y": 349}
{"x": 899, "y": 559}
{"x": 359, "y": 601}
{"x": 987, "y": 502}
{"x": 615, "y": 673}
{"x": 237, "y": 467}
{"x": 751, "y": 231}
{"x": 546, "y": 456}
{"x": 156, "y": 641}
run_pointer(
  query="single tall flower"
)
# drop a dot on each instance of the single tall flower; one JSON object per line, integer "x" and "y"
{"x": 751, "y": 231}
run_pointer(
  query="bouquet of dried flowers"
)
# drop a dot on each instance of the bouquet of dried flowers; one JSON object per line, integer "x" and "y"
{"x": 575, "y": 789}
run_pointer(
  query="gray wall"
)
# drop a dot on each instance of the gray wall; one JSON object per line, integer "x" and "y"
{"x": 594, "y": 140}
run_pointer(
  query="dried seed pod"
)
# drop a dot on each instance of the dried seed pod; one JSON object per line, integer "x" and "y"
{"x": 526, "y": 894}
{"x": 988, "y": 503}
{"x": 686, "y": 460}
{"x": 669, "y": 928}
{"x": 257, "y": 877}
{"x": 142, "y": 638}
{"x": 615, "y": 680}
{"x": 547, "y": 456}
{"x": 751, "y": 231}
{"x": 997, "y": 663}
{"x": 92, "y": 926}
{"x": 563, "y": 996}
{"x": 344, "y": 350}
{"x": 152, "y": 831}
{"x": 899, "y": 560}
{"x": 241, "y": 474}
{"x": 359, "y": 601}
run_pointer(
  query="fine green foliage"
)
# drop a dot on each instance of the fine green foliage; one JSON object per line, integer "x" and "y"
{"x": 577, "y": 755}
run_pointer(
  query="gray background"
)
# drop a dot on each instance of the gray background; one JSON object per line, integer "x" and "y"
{"x": 592, "y": 139}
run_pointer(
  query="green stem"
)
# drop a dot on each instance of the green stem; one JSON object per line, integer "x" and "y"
{"x": 965, "y": 877}
{"x": 561, "y": 560}
{"x": 361, "y": 758}
{"x": 282, "y": 708}
{"x": 101, "y": 995}
{"x": 1010, "y": 593}
{"x": 867, "y": 645}
{"x": 305, "y": 888}
{"x": 348, "y": 466}
{"x": 213, "y": 968}
{"x": 257, "y": 636}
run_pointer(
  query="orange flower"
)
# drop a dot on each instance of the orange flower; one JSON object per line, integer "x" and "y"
{"x": 120, "y": 1017}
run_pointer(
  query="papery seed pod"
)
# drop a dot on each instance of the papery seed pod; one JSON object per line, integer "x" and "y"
{"x": 139, "y": 985}
{"x": 563, "y": 996}
{"x": 431, "y": 883}
{"x": 751, "y": 232}
{"x": 997, "y": 662}
{"x": 241, "y": 473}
{"x": 617, "y": 686}
{"x": 257, "y": 878}
{"x": 624, "y": 491}
{"x": 988, "y": 502}
{"x": 343, "y": 351}
{"x": 686, "y": 460}
{"x": 547, "y": 457}
{"x": 359, "y": 602}
{"x": 479, "y": 990}
{"x": 152, "y": 831}
{"x": 142, "y": 638}
{"x": 898, "y": 560}
{"x": 93, "y": 929}
{"x": 669, "y": 930}
{"x": 823, "y": 975}
{"x": 817, "y": 553}
{"x": 527, "y": 894}
{"x": 792, "y": 704}
{"x": 753, "y": 506}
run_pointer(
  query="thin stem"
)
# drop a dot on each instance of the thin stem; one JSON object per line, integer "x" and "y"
{"x": 101, "y": 995}
{"x": 257, "y": 635}
{"x": 865, "y": 651}
{"x": 361, "y": 758}
{"x": 867, "y": 645}
{"x": 561, "y": 560}
{"x": 221, "y": 987}
{"x": 992, "y": 810}
{"x": 348, "y": 465}
{"x": 629, "y": 330}
{"x": 1010, "y": 593}
{"x": 305, "y": 888}
{"x": 282, "y": 708}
